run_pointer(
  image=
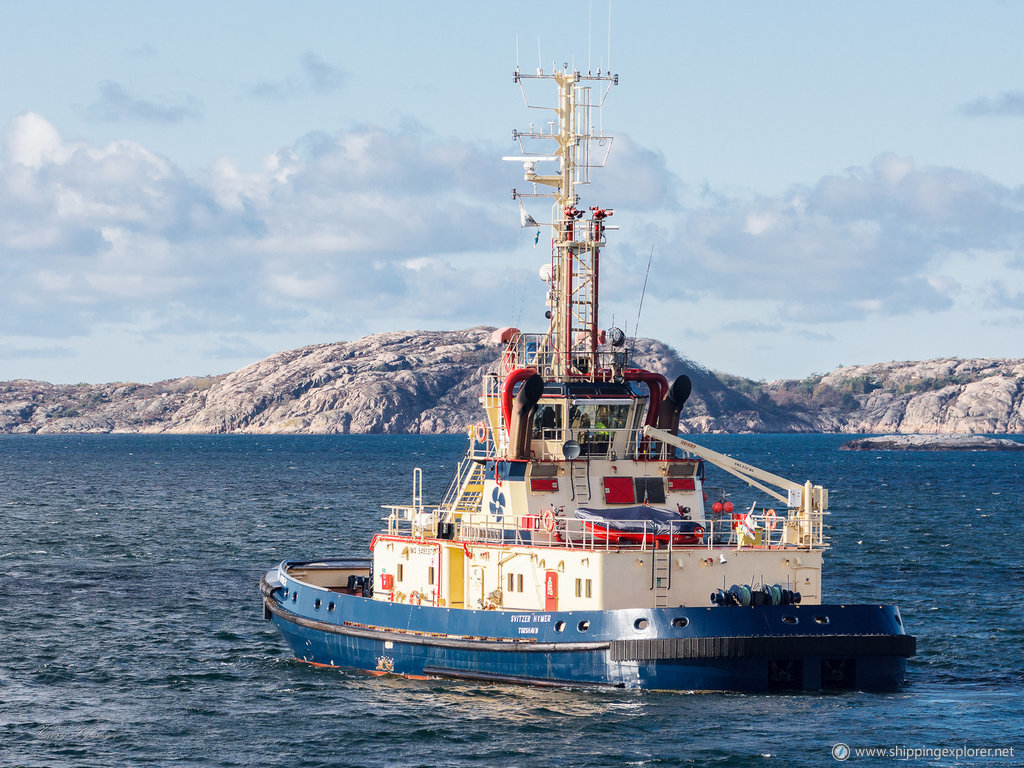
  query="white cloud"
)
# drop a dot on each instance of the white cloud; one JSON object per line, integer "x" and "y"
{"x": 30, "y": 141}
{"x": 105, "y": 234}
{"x": 868, "y": 240}
{"x": 758, "y": 223}
{"x": 371, "y": 229}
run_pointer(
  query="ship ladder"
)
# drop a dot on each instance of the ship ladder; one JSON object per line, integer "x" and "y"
{"x": 661, "y": 575}
{"x": 579, "y": 472}
{"x": 472, "y": 491}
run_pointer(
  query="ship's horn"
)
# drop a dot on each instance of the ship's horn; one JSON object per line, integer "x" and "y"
{"x": 522, "y": 416}
{"x": 672, "y": 405}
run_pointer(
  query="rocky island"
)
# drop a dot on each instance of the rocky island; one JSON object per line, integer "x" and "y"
{"x": 933, "y": 443}
{"x": 427, "y": 382}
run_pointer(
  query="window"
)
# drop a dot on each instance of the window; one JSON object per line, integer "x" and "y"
{"x": 511, "y": 581}
{"x": 579, "y": 587}
{"x": 400, "y": 572}
{"x": 547, "y": 422}
{"x": 519, "y": 583}
{"x": 594, "y": 425}
{"x": 588, "y": 587}
{"x": 430, "y": 575}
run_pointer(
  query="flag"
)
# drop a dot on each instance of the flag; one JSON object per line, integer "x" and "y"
{"x": 525, "y": 219}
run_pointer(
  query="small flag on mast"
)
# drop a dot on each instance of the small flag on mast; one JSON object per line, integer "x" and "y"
{"x": 525, "y": 219}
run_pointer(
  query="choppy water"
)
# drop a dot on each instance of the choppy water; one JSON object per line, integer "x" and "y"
{"x": 131, "y": 626}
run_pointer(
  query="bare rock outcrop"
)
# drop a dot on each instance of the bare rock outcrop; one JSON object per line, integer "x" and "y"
{"x": 429, "y": 382}
{"x": 947, "y": 396}
{"x": 385, "y": 383}
{"x": 933, "y": 443}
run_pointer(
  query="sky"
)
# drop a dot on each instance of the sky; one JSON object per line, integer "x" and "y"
{"x": 186, "y": 187}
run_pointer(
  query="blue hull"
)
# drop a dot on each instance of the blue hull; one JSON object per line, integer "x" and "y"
{"x": 733, "y": 648}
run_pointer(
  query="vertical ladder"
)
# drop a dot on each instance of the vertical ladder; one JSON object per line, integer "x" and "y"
{"x": 580, "y": 481}
{"x": 661, "y": 575}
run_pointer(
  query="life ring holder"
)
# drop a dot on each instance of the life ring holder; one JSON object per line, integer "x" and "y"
{"x": 547, "y": 520}
{"x": 480, "y": 432}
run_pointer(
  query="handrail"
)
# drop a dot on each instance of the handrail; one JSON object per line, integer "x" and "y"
{"x": 775, "y": 532}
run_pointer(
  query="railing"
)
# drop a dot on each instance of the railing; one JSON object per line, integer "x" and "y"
{"x": 773, "y": 531}
{"x": 602, "y": 443}
{"x": 533, "y": 350}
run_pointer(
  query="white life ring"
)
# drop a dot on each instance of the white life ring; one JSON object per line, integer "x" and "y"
{"x": 547, "y": 519}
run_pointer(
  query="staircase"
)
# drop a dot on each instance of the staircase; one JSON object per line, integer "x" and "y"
{"x": 467, "y": 487}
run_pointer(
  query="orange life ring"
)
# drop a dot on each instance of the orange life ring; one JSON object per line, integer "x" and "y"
{"x": 416, "y": 598}
{"x": 770, "y": 519}
{"x": 547, "y": 519}
{"x": 480, "y": 432}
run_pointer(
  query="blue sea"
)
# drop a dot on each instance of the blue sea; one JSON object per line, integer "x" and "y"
{"x": 131, "y": 629}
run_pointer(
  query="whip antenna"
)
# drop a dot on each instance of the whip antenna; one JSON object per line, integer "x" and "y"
{"x": 643, "y": 292}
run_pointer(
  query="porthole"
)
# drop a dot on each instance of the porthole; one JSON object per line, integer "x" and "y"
{"x": 899, "y": 619}
{"x": 680, "y": 622}
{"x": 583, "y": 626}
{"x": 330, "y": 607}
{"x": 787, "y": 619}
{"x": 294, "y": 595}
{"x": 316, "y": 604}
{"x": 286, "y": 594}
{"x": 641, "y": 624}
{"x": 822, "y": 619}
{"x": 559, "y": 626}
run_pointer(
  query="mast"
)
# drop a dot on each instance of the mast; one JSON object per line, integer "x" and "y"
{"x": 573, "y": 336}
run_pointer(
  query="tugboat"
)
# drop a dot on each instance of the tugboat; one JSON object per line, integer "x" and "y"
{"x": 578, "y": 544}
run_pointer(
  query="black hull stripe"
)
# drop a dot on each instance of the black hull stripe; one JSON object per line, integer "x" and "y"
{"x": 764, "y": 646}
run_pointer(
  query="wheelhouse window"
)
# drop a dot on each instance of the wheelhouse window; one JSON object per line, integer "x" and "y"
{"x": 594, "y": 424}
{"x": 547, "y": 421}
